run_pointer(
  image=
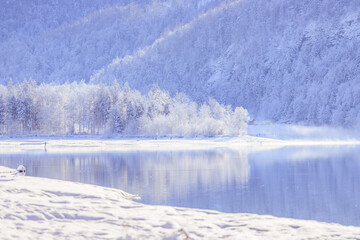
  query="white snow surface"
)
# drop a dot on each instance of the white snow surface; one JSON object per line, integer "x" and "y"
{"x": 34, "y": 208}
{"x": 85, "y": 144}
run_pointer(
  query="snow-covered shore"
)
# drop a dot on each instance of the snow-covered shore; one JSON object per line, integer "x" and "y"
{"x": 35, "y": 208}
{"x": 98, "y": 144}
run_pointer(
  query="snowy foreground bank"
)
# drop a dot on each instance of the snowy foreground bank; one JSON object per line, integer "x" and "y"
{"x": 35, "y": 208}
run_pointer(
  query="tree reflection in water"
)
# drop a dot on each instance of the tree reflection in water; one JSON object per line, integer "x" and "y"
{"x": 320, "y": 183}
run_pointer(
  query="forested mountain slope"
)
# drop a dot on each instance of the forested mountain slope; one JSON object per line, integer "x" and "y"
{"x": 289, "y": 61}
{"x": 59, "y": 41}
{"x": 284, "y": 60}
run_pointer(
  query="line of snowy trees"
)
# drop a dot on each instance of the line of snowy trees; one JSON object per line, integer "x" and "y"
{"x": 80, "y": 108}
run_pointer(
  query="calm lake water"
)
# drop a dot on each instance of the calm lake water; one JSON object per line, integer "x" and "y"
{"x": 307, "y": 183}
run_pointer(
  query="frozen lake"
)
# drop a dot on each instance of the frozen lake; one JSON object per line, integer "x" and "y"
{"x": 319, "y": 183}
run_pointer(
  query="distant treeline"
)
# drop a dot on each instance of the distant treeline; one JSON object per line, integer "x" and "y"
{"x": 77, "y": 108}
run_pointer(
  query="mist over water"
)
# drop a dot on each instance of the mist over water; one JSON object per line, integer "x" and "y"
{"x": 302, "y": 132}
{"x": 319, "y": 183}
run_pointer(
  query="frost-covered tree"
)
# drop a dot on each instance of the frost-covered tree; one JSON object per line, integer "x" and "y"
{"x": 238, "y": 121}
{"x": 101, "y": 109}
{"x": 80, "y": 108}
{"x": 2, "y": 115}
{"x": 11, "y": 114}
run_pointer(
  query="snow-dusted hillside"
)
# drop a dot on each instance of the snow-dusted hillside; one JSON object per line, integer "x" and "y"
{"x": 288, "y": 61}
{"x": 284, "y": 60}
{"x": 59, "y": 41}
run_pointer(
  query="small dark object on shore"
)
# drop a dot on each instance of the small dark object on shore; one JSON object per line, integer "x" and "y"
{"x": 21, "y": 170}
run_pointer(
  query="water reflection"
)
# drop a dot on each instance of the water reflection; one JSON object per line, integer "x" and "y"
{"x": 307, "y": 183}
{"x": 158, "y": 177}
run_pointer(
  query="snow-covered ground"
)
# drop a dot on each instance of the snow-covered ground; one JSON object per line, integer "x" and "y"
{"x": 98, "y": 144}
{"x": 261, "y": 137}
{"x": 32, "y": 208}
